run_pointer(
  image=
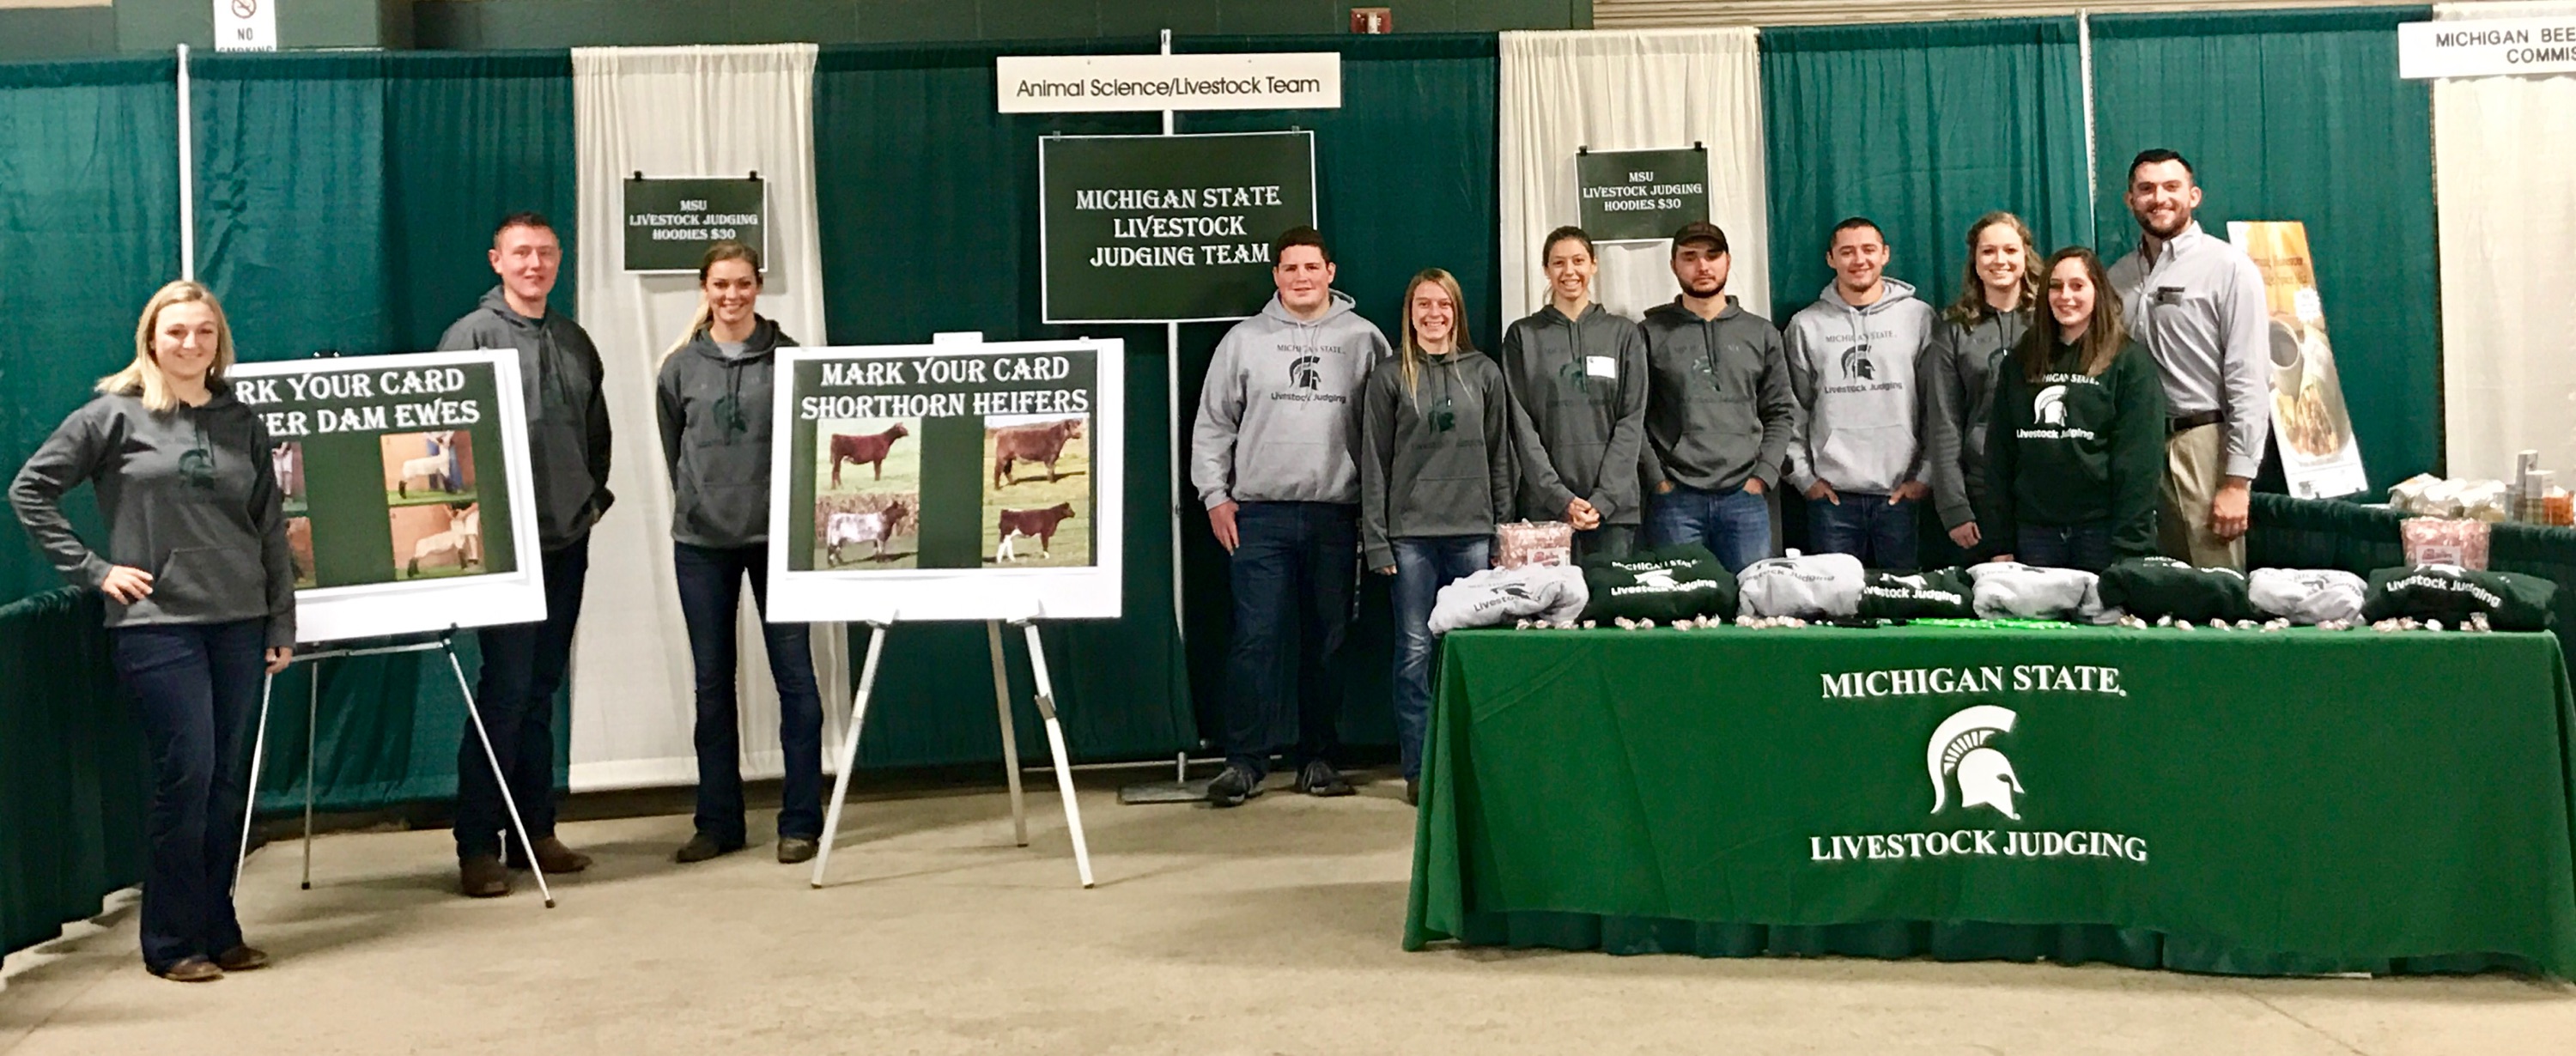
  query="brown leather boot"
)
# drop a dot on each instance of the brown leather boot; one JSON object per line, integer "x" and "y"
{"x": 242, "y": 959}
{"x": 482, "y": 876}
{"x": 191, "y": 970}
{"x": 557, "y": 858}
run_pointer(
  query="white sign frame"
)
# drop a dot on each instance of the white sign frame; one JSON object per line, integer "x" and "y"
{"x": 422, "y": 606}
{"x": 2486, "y": 47}
{"x": 1101, "y": 84}
{"x": 245, "y": 25}
{"x": 1093, "y": 592}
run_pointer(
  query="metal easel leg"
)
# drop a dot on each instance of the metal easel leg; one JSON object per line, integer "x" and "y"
{"x": 518, "y": 823}
{"x": 312, "y": 719}
{"x": 250, "y": 785}
{"x": 1010, "y": 735}
{"x": 1055, "y": 744}
{"x": 849, "y": 749}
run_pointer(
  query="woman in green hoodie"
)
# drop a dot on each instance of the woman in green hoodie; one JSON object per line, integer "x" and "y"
{"x": 2075, "y": 450}
{"x": 714, "y": 405}
{"x": 1435, "y": 478}
{"x": 200, "y": 601}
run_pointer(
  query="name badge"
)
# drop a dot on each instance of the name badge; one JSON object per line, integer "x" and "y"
{"x": 1601, "y": 367}
{"x": 2168, "y": 295}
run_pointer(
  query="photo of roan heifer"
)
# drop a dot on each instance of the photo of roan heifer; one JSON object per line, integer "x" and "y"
{"x": 1039, "y": 523}
{"x": 1031, "y": 443}
{"x": 867, "y": 449}
{"x": 874, "y": 528}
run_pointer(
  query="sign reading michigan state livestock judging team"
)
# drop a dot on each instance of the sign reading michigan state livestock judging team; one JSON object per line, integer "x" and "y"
{"x": 406, "y": 487}
{"x": 1153, "y": 229}
{"x": 951, "y": 481}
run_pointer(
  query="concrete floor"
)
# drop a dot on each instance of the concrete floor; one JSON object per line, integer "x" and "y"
{"x": 1269, "y": 929}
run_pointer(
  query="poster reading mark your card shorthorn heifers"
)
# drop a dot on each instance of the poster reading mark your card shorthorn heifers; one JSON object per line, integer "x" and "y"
{"x": 952, "y": 481}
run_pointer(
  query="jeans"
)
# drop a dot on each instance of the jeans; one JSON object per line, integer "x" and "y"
{"x": 1609, "y": 540}
{"x": 523, "y": 666}
{"x": 1292, "y": 575}
{"x": 710, "y": 594}
{"x": 1880, "y": 534}
{"x": 196, "y": 686}
{"x": 1735, "y": 525}
{"x": 1422, "y": 567}
{"x": 2080, "y": 546}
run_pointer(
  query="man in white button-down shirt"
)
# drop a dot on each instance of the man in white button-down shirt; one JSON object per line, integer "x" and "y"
{"x": 2196, "y": 303}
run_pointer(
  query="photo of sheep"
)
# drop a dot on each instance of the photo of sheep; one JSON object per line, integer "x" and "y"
{"x": 867, "y": 493}
{"x": 286, "y": 460}
{"x": 299, "y": 549}
{"x": 437, "y": 540}
{"x": 1037, "y": 492}
{"x": 428, "y": 468}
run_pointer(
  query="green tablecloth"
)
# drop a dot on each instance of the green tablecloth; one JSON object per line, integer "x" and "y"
{"x": 2228, "y": 801}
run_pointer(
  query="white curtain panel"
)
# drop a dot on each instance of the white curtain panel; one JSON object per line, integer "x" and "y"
{"x": 2506, "y": 198}
{"x": 1634, "y": 90}
{"x": 676, "y": 112}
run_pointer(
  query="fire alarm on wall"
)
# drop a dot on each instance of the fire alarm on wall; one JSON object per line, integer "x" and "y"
{"x": 1372, "y": 20}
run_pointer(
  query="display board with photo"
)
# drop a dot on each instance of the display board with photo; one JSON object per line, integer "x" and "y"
{"x": 2311, "y": 428}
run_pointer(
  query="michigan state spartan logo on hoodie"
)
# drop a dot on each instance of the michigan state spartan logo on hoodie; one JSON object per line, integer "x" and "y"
{"x": 1302, "y": 373}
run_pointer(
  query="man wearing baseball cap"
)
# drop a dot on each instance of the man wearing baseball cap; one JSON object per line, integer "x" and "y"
{"x": 1719, "y": 410}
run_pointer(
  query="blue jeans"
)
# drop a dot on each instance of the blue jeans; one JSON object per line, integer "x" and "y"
{"x": 1880, "y": 534}
{"x": 523, "y": 666}
{"x": 196, "y": 686}
{"x": 710, "y": 594}
{"x": 1422, "y": 567}
{"x": 2081, "y": 546}
{"x": 1735, "y": 525}
{"x": 1292, "y": 574}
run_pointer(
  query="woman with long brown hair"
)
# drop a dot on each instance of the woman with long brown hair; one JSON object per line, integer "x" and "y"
{"x": 1436, "y": 476}
{"x": 1963, "y": 361}
{"x": 200, "y": 593}
{"x": 2075, "y": 451}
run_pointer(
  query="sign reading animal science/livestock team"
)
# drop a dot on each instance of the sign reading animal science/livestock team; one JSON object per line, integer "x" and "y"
{"x": 951, "y": 481}
{"x": 406, "y": 489}
{"x": 1150, "y": 229}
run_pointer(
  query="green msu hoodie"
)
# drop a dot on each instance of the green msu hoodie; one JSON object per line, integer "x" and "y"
{"x": 714, "y": 412}
{"x": 1436, "y": 461}
{"x": 1578, "y": 395}
{"x": 2070, "y": 449}
{"x": 568, "y": 445}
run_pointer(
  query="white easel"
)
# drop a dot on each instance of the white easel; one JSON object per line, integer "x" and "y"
{"x": 1045, "y": 700}
{"x": 446, "y": 643}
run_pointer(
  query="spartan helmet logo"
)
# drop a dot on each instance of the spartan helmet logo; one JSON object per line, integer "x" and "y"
{"x": 1303, "y": 375}
{"x": 1856, "y": 363}
{"x": 2049, "y": 406}
{"x": 1444, "y": 414}
{"x": 1958, "y": 746}
{"x": 1656, "y": 577}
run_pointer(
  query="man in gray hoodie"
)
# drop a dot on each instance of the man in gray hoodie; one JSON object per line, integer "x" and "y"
{"x": 523, "y": 664}
{"x": 1719, "y": 410}
{"x": 1858, "y": 456}
{"x": 1273, "y": 457}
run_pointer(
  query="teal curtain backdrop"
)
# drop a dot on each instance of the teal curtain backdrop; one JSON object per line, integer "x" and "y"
{"x": 2300, "y": 115}
{"x": 89, "y": 227}
{"x": 73, "y": 776}
{"x": 1922, "y": 127}
{"x": 345, "y": 202}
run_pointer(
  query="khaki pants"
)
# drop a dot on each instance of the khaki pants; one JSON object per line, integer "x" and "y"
{"x": 2195, "y": 467}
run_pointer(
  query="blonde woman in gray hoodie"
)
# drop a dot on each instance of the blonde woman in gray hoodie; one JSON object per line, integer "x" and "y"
{"x": 1435, "y": 478}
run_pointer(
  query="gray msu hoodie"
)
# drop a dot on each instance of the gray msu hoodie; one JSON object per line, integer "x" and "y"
{"x": 559, "y": 372}
{"x": 1960, "y": 368}
{"x": 1853, "y": 369}
{"x": 1720, "y": 410}
{"x": 1436, "y": 461}
{"x": 714, "y": 413}
{"x": 1279, "y": 417}
{"x": 1578, "y": 389}
{"x": 189, "y": 498}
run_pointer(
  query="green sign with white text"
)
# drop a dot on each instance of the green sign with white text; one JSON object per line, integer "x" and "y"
{"x": 1641, "y": 195}
{"x": 1149, "y": 229}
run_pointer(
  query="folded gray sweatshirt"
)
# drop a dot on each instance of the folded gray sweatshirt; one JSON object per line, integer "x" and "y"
{"x": 1806, "y": 586}
{"x": 1279, "y": 416}
{"x": 2011, "y": 590}
{"x": 568, "y": 438}
{"x": 1853, "y": 368}
{"x": 1720, "y": 410}
{"x": 1435, "y": 460}
{"x": 714, "y": 412}
{"x": 1578, "y": 411}
{"x": 2306, "y": 596}
{"x": 189, "y": 498}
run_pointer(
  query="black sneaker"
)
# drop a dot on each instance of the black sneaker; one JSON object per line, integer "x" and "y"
{"x": 1318, "y": 778}
{"x": 1231, "y": 788}
{"x": 1412, "y": 792}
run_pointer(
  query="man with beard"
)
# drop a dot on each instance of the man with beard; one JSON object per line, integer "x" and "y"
{"x": 1719, "y": 410}
{"x": 2197, "y": 304}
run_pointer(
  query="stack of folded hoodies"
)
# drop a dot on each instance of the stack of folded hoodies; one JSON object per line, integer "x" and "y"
{"x": 1667, "y": 585}
{"x": 1938, "y": 594}
{"x": 2152, "y": 588}
{"x": 2012, "y": 590}
{"x": 2306, "y": 596}
{"x": 2451, "y": 594}
{"x": 1808, "y": 587}
{"x": 1498, "y": 596}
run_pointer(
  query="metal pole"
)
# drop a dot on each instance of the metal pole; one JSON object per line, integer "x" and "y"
{"x": 850, "y": 748}
{"x": 509, "y": 802}
{"x": 1172, "y": 435}
{"x": 187, "y": 175}
{"x": 312, "y": 719}
{"x": 1010, "y": 734}
{"x": 1055, "y": 744}
{"x": 250, "y": 789}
